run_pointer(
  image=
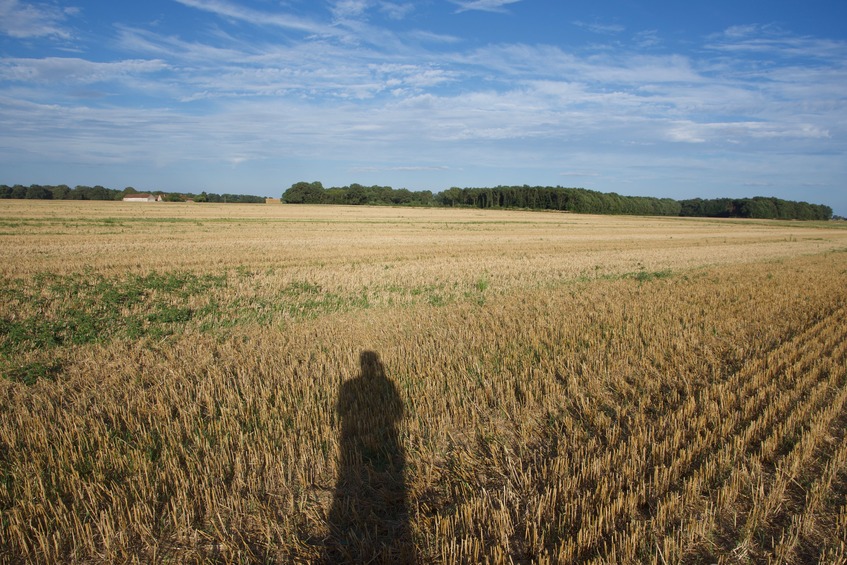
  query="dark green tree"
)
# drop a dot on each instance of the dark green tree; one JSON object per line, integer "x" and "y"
{"x": 356, "y": 194}
{"x": 304, "y": 193}
{"x": 38, "y": 192}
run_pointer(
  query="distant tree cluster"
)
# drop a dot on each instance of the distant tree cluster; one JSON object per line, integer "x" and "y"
{"x": 226, "y": 198}
{"x": 757, "y": 207}
{"x": 579, "y": 200}
{"x": 355, "y": 194}
{"x": 64, "y": 192}
{"x": 59, "y": 192}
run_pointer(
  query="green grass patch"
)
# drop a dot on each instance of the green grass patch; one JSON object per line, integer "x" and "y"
{"x": 49, "y": 311}
{"x": 55, "y": 310}
{"x": 31, "y": 373}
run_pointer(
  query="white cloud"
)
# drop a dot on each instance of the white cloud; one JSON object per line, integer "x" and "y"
{"x": 311, "y": 69}
{"x": 256, "y": 17}
{"x": 740, "y": 132}
{"x": 33, "y": 20}
{"x": 396, "y": 11}
{"x": 739, "y": 31}
{"x": 545, "y": 61}
{"x": 330, "y": 98}
{"x": 174, "y": 48}
{"x": 62, "y": 70}
{"x": 601, "y": 28}
{"x": 431, "y": 37}
{"x": 770, "y": 40}
{"x": 647, "y": 39}
{"x": 350, "y": 8}
{"x": 483, "y": 5}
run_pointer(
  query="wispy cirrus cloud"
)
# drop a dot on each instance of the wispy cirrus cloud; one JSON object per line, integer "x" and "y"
{"x": 743, "y": 131}
{"x": 630, "y": 68}
{"x": 240, "y": 68}
{"x": 71, "y": 70}
{"x": 348, "y": 24}
{"x": 350, "y": 7}
{"x": 483, "y": 5}
{"x": 34, "y": 20}
{"x": 542, "y": 92}
{"x": 344, "y": 9}
{"x": 771, "y": 40}
{"x": 396, "y": 10}
{"x": 600, "y": 28}
{"x": 424, "y": 36}
{"x": 647, "y": 39}
{"x": 242, "y": 13}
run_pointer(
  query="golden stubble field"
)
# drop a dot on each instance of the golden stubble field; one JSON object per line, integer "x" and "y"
{"x": 270, "y": 383}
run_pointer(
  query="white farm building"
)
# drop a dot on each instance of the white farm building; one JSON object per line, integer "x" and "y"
{"x": 142, "y": 197}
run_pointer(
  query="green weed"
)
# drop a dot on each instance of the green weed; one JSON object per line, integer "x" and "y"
{"x": 31, "y": 373}
{"x": 53, "y": 310}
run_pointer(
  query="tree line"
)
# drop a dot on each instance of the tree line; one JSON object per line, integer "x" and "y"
{"x": 579, "y": 200}
{"x": 355, "y": 194}
{"x": 756, "y": 207}
{"x": 80, "y": 192}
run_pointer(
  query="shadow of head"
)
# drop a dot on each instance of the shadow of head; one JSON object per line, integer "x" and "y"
{"x": 371, "y": 365}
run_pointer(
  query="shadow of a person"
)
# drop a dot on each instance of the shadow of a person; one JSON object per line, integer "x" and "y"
{"x": 369, "y": 521}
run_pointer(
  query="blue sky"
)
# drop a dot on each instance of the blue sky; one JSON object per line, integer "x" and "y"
{"x": 657, "y": 98}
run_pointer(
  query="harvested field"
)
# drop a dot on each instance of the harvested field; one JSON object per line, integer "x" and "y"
{"x": 271, "y": 383}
